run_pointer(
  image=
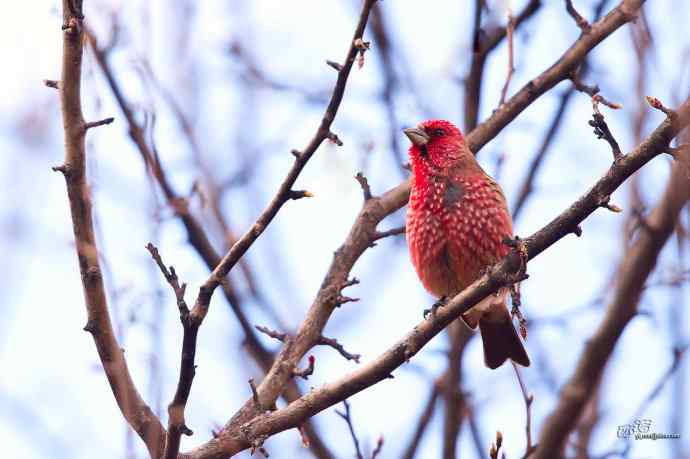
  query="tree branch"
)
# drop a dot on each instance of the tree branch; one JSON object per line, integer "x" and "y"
{"x": 558, "y": 72}
{"x": 196, "y": 234}
{"x": 528, "y": 183}
{"x": 577, "y": 17}
{"x": 176, "y": 421}
{"x": 238, "y": 436}
{"x": 634, "y": 270}
{"x": 137, "y": 413}
{"x": 482, "y": 46}
{"x": 347, "y": 417}
{"x": 284, "y": 191}
{"x": 423, "y": 422}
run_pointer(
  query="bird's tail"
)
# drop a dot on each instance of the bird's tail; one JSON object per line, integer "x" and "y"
{"x": 500, "y": 340}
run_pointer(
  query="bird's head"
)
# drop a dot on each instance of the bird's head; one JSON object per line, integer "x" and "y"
{"x": 435, "y": 143}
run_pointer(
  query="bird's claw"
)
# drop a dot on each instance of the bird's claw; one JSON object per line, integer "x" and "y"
{"x": 432, "y": 311}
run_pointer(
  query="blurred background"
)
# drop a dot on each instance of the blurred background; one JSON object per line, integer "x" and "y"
{"x": 221, "y": 92}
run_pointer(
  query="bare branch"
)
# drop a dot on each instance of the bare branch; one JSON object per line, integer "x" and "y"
{"x": 176, "y": 421}
{"x": 422, "y": 423}
{"x": 579, "y": 20}
{"x": 137, "y": 413}
{"x": 510, "y": 28}
{"x": 496, "y": 445}
{"x": 558, "y": 72}
{"x": 348, "y": 419}
{"x": 196, "y": 234}
{"x": 593, "y": 92}
{"x": 272, "y": 333}
{"x": 54, "y": 84}
{"x": 550, "y": 135}
{"x": 528, "y": 398}
{"x": 451, "y": 390}
{"x": 634, "y": 270}
{"x": 171, "y": 278}
{"x": 103, "y": 122}
{"x": 308, "y": 371}
{"x": 255, "y": 395}
{"x": 391, "y": 232}
{"x": 602, "y": 131}
{"x": 378, "y": 448}
{"x": 324, "y": 341}
{"x": 482, "y": 46}
{"x": 195, "y": 231}
{"x": 528, "y": 183}
{"x": 334, "y": 65}
{"x": 364, "y": 183}
{"x": 678, "y": 354}
{"x": 242, "y": 245}
{"x": 502, "y": 274}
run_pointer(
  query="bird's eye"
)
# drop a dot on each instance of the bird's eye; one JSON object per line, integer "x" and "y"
{"x": 439, "y": 132}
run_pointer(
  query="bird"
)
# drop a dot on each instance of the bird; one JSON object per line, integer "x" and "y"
{"x": 456, "y": 224}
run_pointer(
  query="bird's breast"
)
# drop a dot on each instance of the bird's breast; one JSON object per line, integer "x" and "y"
{"x": 459, "y": 226}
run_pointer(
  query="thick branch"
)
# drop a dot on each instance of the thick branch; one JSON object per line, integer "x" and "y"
{"x": 137, "y": 413}
{"x": 238, "y": 436}
{"x": 558, "y": 72}
{"x": 634, "y": 270}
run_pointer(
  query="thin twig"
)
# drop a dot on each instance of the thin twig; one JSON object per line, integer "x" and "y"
{"x": 496, "y": 445}
{"x": 537, "y": 161}
{"x": 332, "y": 342}
{"x": 482, "y": 45}
{"x": 422, "y": 423}
{"x": 306, "y": 372}
{"x": 579, "y": 20}
{"x": 255, "y": 394}
{"x": 364, "y": 183}
{"x": 593, "y": 92}
{"x": 378, "y": 448}
{"x": 272, "y": 333}
{"x": 678, "y": 354}
{"x": 176, "y": 421}
{"x": 391, "y": 232}
{"x": 171, "y": 278}
{"x": 602, "y": 131}
{"x": 347, "y": 416}
{"x": 103, "y": 122}
{"x": 528, "y": 398}
{"x": 54, "y": 84}
{"x": 510, "y": 28}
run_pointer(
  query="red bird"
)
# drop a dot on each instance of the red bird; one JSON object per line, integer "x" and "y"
{"x": 457, "y": 219}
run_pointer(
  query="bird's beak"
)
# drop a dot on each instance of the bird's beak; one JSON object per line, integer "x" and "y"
{"x": 417, "y": 136}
